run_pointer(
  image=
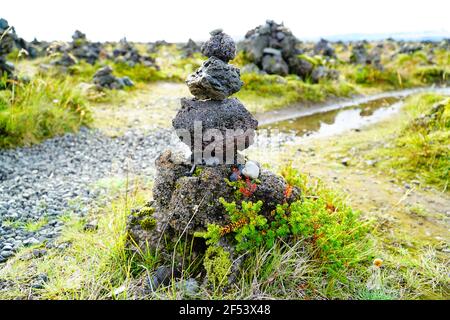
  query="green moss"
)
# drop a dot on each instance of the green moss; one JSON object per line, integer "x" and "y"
{"x": 146, "y": 211}
{"x": 198, "y": 171}
{"x": 217, "y": 264}
{"x": 315, "y": 61}
{"x": 148, "y": 223}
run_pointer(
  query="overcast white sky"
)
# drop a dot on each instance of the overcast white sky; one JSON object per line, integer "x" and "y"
{"x": 177, "y": 20}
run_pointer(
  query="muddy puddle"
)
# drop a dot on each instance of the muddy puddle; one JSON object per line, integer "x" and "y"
{"x": 335, "y": 118}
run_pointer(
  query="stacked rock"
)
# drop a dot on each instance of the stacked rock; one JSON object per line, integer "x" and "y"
{"x": 218, "y": 115}
{"x": 186, "y": 201}
{"x": 190, "y": 48}
{"x": 7, "y": 38}
{"x": 128, "y": 54}
{"x": 83, "y": 49}
{"x": 361, "y": 56}
{"x": 104, "y": 78}
{"x": 324, "y": 48}
{"x": 273, "y": 48}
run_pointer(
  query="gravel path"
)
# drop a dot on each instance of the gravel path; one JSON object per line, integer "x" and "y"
{"x": 43, "y": 182}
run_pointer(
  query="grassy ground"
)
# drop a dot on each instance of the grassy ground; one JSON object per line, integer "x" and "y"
{"x": 40, "y": 109}
{"x": 404, "y": 226}
{"x": 411, "y": 209}
{"x": 96, "y": 265}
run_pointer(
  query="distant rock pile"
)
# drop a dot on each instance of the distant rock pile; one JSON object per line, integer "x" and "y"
{"x": 65, "y": 60}
{"x": 128, "y": 54}
{"x": 324, "y": 48}
{"x": 7, "y": 37}
{"x": 68, "y": 54}
{"x": 186, "y": 191}
{"x": 104, "y": 78}
{"x": 361, "y": 56}
{"x": 274, "y": 49}
{"x": 190, "y": 48}
{"x": 83, "y": 49}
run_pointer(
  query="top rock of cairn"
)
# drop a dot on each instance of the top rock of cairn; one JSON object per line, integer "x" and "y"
{"x": 220, "y": 45}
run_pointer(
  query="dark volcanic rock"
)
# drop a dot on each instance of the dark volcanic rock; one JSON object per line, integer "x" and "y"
{"x": 8, "y": 36}
{"x": 186, "y": 204}
{"x": 66, "y": 60}
{"x": 269, "y": 36}
{"x": 128, "y": 54}
{"x": 359, "y": 54}
{"x": 324, "y": 48}
{"x": 274, "y": 64}
{"x": 214, "y": 80}
{"x": 78, "y": 35}
{"x": 104, "y": 78}
{"x": 220, "y": 45}
{"x": 190, "y": 48}
{"x": 228, "y": 116}
{"x": 300, "y": 67}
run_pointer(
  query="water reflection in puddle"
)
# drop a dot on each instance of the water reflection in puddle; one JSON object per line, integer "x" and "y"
{"x": 338, "y": 121}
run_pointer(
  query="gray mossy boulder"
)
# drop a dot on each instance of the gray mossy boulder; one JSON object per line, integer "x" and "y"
{"x": 250, "y": 68}
{"x": 274, "y": 64}
{"x": 214, "y": 80}
{"x": 321, "y": 72}
{"x": 220, "y": 45}
{"x": 300, "y": 67}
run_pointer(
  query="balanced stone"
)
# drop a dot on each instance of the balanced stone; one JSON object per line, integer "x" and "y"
{"x": 214, "y": 80}
{"x": 228, "y": 117}
{"x": 104, "y": 78}
{"x": 220, "y": 45}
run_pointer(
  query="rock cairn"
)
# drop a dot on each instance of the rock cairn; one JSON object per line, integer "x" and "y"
{"x": 324, "y": 48}
{"x": 104, "y": 78}
{"x": 186, "y": 192}
{"x": 7, "y": 37}
{"x": 85, "y": 50}
{"x": 273, "y": 49}
{"x": 190, "y": 48}
{"x": 68, "y": 54}
{"x": 128, "y": 54}
{"x": 361, "y": 56}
